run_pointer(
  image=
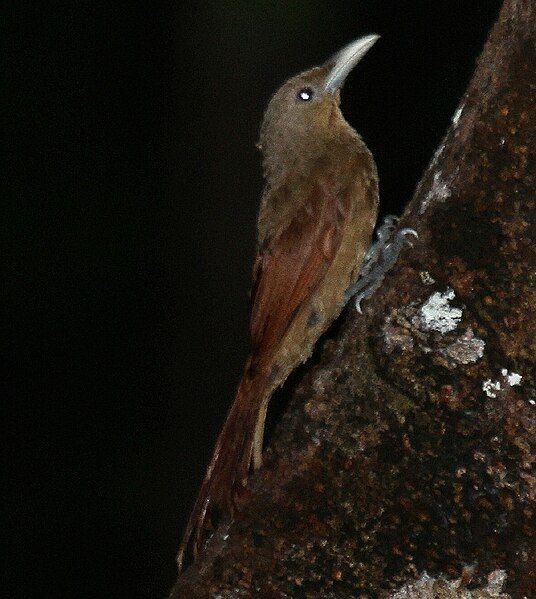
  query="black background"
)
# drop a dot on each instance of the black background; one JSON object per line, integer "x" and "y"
{"x": 132, "y": 191}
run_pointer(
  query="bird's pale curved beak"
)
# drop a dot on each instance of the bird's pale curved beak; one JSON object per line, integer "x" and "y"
{"x": 345, "y": 60}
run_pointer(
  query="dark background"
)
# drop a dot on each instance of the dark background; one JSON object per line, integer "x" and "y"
{"x": 132, "y": 187}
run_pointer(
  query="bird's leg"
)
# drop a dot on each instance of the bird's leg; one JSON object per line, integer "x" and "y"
{"x": 379, "y": 259}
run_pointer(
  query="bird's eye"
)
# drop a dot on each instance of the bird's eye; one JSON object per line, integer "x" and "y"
{"x": 305, "y": 94}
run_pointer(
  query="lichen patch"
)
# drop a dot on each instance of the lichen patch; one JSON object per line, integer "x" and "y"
{"x": 436, "y": 314}
{"x": 439, "y": 191}
{"x": 512, "y": 378}
{"x": 457, "y": 115}
{"x": 491, "y": 388}
{"x": 428, "y": 587}
{"x": 466, "y": 349}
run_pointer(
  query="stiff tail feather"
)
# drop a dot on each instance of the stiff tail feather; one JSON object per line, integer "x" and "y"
{"x": 227, "y": 472}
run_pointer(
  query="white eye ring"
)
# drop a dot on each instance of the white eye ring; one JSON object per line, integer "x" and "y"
{"x": 305, "y": 94}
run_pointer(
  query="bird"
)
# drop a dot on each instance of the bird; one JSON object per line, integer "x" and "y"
{"x": 317, "y": 214}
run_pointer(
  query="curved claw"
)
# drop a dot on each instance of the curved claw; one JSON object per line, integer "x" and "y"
{"x": 407, "y": 231}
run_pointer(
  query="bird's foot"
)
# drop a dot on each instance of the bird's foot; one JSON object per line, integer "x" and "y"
{"x": 379, "y": 259}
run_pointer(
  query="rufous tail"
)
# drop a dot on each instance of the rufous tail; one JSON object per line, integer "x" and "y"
{"x": 228, "y": 470}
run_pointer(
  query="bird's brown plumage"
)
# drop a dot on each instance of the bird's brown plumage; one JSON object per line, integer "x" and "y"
{"x": 315, "y": 223}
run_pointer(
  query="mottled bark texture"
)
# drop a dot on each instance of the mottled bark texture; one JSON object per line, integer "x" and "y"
{"x": 403, "y": 464}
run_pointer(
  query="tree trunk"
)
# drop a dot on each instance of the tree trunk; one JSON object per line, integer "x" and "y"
{"x": 403, "y": 465}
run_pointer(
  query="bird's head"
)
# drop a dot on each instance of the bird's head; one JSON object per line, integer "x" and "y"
{"x": 306, "y": 107}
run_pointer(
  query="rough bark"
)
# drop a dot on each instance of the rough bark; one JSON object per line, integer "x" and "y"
{"x": 403, "y": 465}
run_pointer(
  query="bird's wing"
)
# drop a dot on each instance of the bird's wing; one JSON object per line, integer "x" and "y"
{"x": 291, "y": 264}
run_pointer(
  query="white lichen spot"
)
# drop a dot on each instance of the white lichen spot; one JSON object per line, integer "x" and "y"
{"x": 457, "y": 115}
{"x": 421, "y": 587}
{"x": 439, "y": 191}
{"x": 512, "y": 378}
{"x": 496, "y": 580}
{"x": 466, "y": 349}
{"x": 532, "y": 402}
{"x": 491, "y": 388}
{"x": 426, "y": 277}
{"x": 428, "y": 587}
{"x": 438, "y": 153}
{"x": 436, "y": 314}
